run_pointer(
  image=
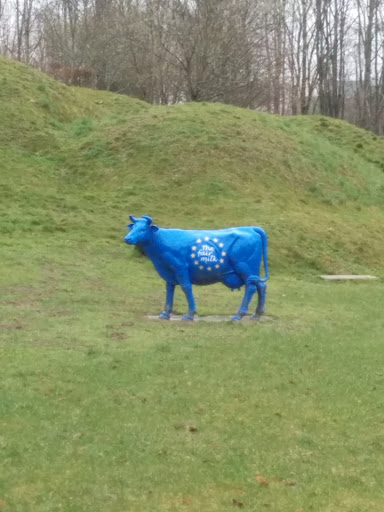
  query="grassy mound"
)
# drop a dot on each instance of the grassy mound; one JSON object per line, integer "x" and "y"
{"x": 76, "y": 162}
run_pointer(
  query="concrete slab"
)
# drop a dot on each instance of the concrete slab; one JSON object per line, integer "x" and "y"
{"x": 215, "y": 318}
{"x": 347, "y": 277}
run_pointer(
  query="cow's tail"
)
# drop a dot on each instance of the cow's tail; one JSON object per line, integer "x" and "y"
{"x": 263, "y": 236}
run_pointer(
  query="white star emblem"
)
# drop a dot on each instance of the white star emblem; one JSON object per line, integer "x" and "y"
{"x": 221, "y": 261}
{"x": 217, "y": 266}
{"x": 194, "y": 248}
{"x": 201, "y": 267}
{"x": 209, "y": 268}
{"x": 223, "y": 253}
{"x": 215, "y": 240}
{"x": 196, "y": 262}
{"x": 206, "y": 238}
{"x": 221, "y": 245}
{"x": 193, "y": 255}
{"x": 198, "y": 241}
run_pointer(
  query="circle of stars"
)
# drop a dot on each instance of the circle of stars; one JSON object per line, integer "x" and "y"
{"x": 194, "y": 255}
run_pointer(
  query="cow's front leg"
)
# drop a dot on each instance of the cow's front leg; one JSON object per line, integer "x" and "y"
{"x": 184, "y": 280}
{"x": 166, "y": 314}
{"x": 187, "y": 289}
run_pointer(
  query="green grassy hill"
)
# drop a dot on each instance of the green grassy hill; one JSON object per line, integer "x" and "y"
{"x": 76, "y": 162}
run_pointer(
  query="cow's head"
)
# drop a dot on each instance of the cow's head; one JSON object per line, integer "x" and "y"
{"x": 141, "y": 230}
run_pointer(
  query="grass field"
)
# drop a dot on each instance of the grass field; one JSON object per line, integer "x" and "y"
{"x": 102, "y": 409}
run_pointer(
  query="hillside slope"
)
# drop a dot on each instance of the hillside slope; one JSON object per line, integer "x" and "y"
{"x": 76, "y": 162}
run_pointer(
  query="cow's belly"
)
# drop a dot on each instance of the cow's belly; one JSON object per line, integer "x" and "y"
{"x": 205, "y": 276}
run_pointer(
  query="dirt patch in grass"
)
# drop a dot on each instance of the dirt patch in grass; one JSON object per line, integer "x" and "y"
{"x": 12, "y": 325}
{"x": 16, "y": 303}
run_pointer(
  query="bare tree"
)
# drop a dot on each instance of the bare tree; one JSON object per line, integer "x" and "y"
{"x": 301, "y": 32}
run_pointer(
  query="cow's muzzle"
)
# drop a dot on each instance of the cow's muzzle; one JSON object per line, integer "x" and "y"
{"x": 128, "y": 240}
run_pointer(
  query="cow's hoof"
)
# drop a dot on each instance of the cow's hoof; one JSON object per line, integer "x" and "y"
{"x": 236, "y": 318}
{"x": 164, "y": 315}
{"x": 187, "y": 318}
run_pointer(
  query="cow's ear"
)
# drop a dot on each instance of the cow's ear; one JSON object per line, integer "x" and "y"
{"x": 130, "y": 226}
{"x": 154, "y": 228}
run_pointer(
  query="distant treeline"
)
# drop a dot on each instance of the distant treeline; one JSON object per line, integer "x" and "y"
{"x": 281, "y": 56}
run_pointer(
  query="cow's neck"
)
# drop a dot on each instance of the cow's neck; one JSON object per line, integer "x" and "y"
{"x": 151, "y": 246}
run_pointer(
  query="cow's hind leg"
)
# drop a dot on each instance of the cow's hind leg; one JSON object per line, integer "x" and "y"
{"x": 261, "y": 291}
{"x": 166, "y": 314}
{"x": 250, "y": 289}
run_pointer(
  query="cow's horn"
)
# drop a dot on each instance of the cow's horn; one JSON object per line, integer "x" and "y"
{"x": 132, "y": 218}
{"x": 148, "y": 219}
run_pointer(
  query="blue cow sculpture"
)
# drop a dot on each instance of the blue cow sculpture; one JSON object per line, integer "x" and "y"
{"x": 186, "y": 257}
